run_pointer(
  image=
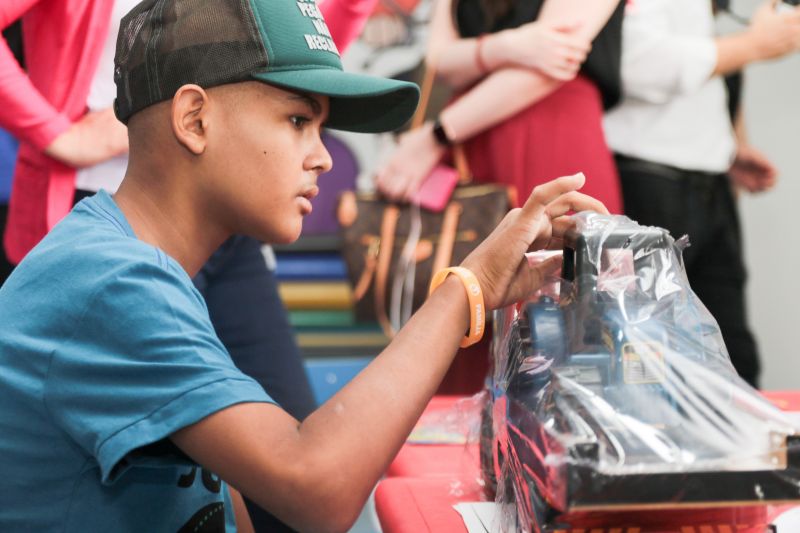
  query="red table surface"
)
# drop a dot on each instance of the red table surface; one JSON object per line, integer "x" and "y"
{"x": 436, "y": 460}
{"x": 416, "y": 505}
{"x": 429, "y": 479}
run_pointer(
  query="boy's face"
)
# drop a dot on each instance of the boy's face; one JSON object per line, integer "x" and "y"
{"x": 265, "y": 155}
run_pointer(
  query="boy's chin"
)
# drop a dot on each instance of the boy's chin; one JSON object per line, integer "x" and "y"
{"x": 285, "y": 235}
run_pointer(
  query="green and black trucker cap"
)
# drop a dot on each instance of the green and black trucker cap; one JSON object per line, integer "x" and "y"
{"x": 165, "y": 44}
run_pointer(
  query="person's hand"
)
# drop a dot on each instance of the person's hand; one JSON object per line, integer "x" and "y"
{"x": 96, "y": 137}
{"x": 499, "y": 262}
{"x": 774, "y": 34}
{"x": 416, "y": 154}
{"x": 752, "y": 171}
{"x": 555, "y": 52}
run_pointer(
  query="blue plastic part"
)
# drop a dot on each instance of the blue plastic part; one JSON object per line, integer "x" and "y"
{"x": 329, "y": 375}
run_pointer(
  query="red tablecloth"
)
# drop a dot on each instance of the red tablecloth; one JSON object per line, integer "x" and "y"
{"x": 430, "y": 479}
{"x": 417, "y": 505}
{"x": 436, "y": 460}
{"x": 432, "y": 460}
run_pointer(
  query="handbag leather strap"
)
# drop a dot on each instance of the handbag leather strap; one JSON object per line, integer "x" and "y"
{"x": 388, "y": 228}
{"x": 447, "y": 239}
{"x": 442, "y": 258}
{"x": 370, "y": 264}
{"x": 460, "y": 161}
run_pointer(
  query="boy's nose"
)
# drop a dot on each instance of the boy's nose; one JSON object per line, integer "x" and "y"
{"x": 321, "y": 161}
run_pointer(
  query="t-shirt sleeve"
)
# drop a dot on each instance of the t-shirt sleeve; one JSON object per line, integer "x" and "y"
{"x": 658, "y": 62}
{"x": 143, "y": 362}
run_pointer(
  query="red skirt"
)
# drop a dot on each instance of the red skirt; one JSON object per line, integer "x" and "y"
{"x": 557, "y": 136}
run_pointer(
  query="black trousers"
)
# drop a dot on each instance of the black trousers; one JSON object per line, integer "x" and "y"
{"x": 249, "y": 318}
{"x": 702, "y": 206}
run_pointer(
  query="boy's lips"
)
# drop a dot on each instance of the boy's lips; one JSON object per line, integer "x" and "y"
{"x": 304, "y": 198}
{"x": 309, "y": 192}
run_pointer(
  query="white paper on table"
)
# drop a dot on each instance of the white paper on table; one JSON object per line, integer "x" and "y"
{"x": 480, "y": 517}
{"x": 789, "y": 521}
{"x": 794, "y": 416}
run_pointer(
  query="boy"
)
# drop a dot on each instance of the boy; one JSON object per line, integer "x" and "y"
{"x": 118, "y": 399}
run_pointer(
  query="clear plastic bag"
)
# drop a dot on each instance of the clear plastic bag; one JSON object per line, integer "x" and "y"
{"x": 613, "y": 401}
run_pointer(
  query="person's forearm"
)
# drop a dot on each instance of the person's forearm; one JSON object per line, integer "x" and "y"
{"x": 735, "y": 52}
{"x": 398, "y": 386}
{"x": 510, "y": 90}
{"x": 497, "y": 98}
{"x": 462, "y": 62}
{"x": 24, "y": 112}
{"x": 739, "y": 128}
{"x": 588, "y": 16}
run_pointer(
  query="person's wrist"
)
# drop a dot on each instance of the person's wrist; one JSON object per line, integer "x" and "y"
{"x": 471, "y": 291}
{"x": 757, "y": 46}
{"x": 499, "y": 49}
{"x": 455, "y": 287}
{"x": 440, "y": 135}
{"x": 753, "y": 45}
{"x": 431, "y": 139}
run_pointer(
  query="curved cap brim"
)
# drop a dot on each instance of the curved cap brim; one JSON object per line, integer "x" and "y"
{"x": 360, "y": 103}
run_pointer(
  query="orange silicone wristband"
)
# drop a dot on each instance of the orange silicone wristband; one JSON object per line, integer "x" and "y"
{"x": 477, "y": 312}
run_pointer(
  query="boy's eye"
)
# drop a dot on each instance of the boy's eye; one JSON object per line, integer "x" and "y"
{"x": 299, "y": 121}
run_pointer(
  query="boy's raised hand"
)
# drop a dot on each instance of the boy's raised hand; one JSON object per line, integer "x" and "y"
{"x": 498, "y": 262}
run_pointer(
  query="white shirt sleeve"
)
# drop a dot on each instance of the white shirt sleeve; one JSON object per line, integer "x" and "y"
{"x": 659, "y": 63}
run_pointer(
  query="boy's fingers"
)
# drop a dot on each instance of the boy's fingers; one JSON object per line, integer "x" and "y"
{"x": 548, "y": 192}
{"x": 530, "y": 278}
{"x": 561, "y": 226}
{"x": 574, "y": 201}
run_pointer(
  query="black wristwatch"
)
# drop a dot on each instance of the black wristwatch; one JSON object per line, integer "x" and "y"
{"x": 440, "y": 135}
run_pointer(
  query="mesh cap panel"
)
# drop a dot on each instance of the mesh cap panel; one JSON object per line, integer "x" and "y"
{"x": 165, "y": 44}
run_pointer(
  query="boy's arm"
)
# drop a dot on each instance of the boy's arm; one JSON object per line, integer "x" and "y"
{"x": 316, "y": 475}
{"x": 243, "y": 522}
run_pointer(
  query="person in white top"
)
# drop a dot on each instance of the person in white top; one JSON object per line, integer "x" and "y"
{"x": 677, "y": 149}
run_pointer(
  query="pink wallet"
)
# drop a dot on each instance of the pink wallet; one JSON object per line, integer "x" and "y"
{"x": 436, "y": 190}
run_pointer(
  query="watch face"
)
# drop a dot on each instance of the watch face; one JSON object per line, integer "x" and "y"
{"x": 440, "y": 135}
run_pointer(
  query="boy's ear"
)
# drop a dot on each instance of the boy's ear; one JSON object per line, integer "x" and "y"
{"x": 190, "y": 118}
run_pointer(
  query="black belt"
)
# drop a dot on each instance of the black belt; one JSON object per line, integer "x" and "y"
{"x": 695, "y": 177}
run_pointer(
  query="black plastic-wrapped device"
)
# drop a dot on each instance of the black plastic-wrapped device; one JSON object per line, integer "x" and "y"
{"x": 612, "y": 392}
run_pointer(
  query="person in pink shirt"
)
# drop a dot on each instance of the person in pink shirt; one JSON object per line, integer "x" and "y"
{"x": 46, "y": 108}
{"x": 71, "y": 146}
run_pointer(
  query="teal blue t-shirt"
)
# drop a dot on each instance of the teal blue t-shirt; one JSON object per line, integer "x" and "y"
{"x": 106, "y": 350}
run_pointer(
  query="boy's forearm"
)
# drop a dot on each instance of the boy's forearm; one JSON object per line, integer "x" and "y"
{"x": 352, "y": 438}
{"x": 316, "y": 475}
